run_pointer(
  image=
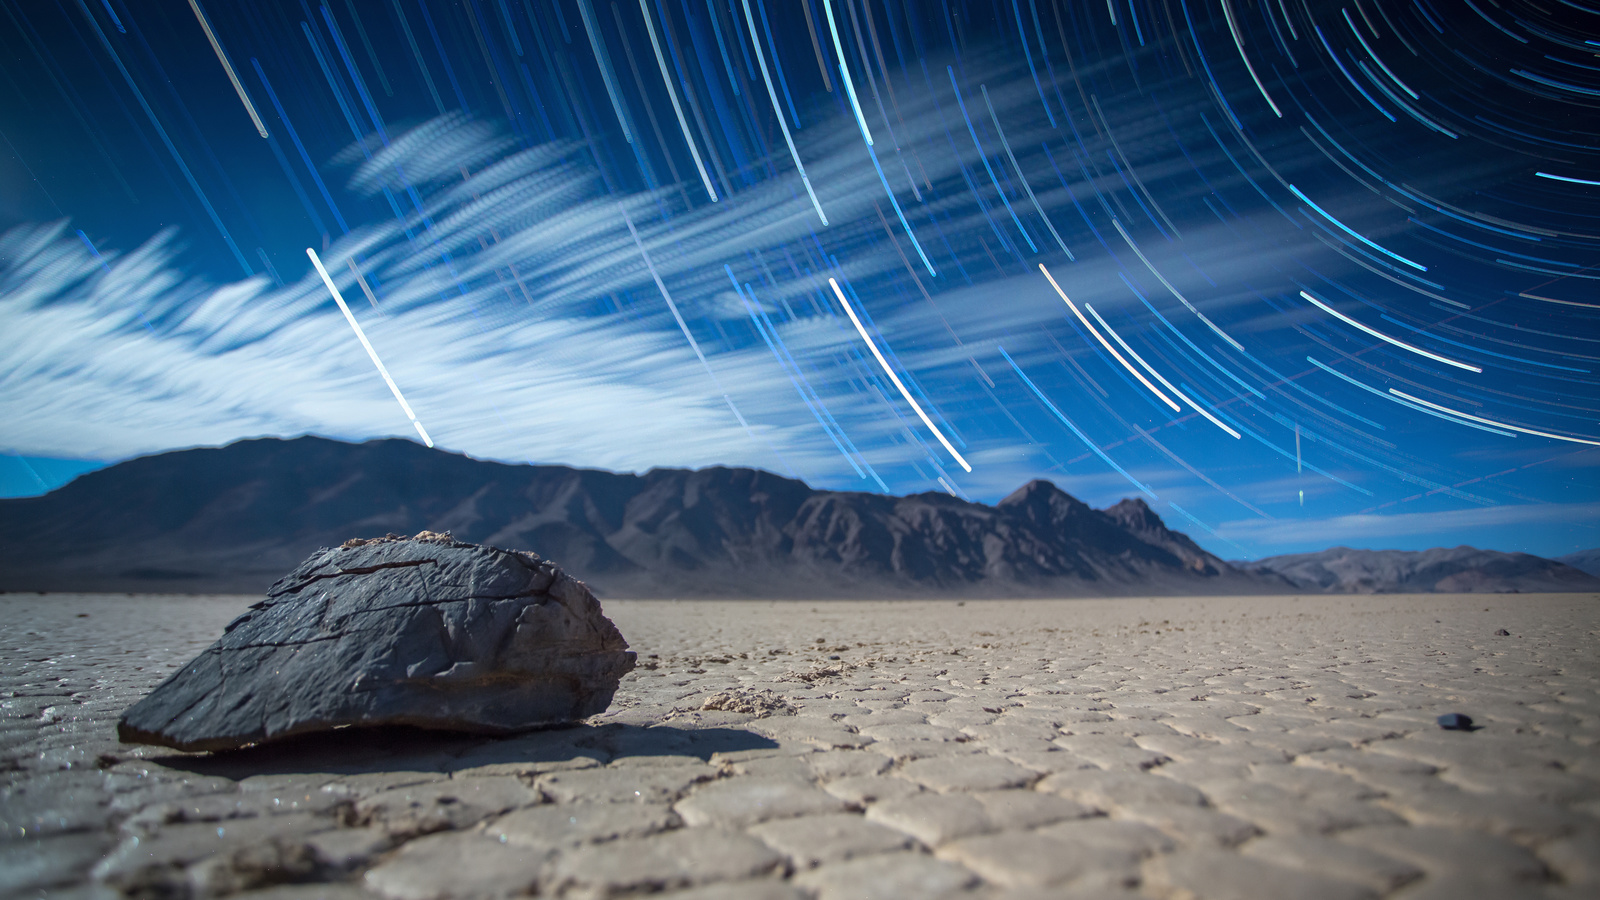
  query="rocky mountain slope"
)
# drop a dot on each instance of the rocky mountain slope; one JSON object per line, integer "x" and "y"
{"x": 1583, "y": 560}
{"x": 238, "y": 517}
{"x": 1342, "y": 570}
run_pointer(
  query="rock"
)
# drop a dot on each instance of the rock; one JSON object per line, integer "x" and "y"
{"x": 1455, "y": 722}
{"x": 426, "y": 631}
{"x": 1501, "y": 632}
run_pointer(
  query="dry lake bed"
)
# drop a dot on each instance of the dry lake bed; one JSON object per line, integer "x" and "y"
{"x": 1169, "y": 748}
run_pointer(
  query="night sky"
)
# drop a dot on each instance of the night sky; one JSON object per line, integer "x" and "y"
{"x": 1299, "y": 274}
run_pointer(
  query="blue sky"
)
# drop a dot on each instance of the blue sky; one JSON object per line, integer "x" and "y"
{"x": 1321, "y": 276}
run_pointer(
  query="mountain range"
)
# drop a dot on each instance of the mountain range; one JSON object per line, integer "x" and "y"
{"x": 1458, "y": 570}
{"x": 234, "y": 519}
{"x": 1584, "y": 560}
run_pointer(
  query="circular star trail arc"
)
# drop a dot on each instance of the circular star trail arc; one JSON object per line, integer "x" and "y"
{"x": 1328, "y": 262}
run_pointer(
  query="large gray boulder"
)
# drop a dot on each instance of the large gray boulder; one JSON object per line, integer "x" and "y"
{"x": 425, "y": 631}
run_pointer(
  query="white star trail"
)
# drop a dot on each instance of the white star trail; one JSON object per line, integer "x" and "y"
{"x": 367, "y": 345}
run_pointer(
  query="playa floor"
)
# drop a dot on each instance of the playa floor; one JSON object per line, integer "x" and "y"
{"x": 1196, "y": 747}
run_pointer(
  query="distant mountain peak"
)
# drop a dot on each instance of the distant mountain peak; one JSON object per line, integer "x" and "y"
{"x": 1135, "y": 515}
{"x": 1584, "y": 560}
{"x": 1038, "y": 487}
{"x": 1042, "y": 501}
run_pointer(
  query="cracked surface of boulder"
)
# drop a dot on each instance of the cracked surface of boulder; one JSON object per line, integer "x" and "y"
{"x": 424, "y": 631}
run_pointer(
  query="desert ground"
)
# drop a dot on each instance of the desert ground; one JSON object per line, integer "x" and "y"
{"x": 1179, "y": 747}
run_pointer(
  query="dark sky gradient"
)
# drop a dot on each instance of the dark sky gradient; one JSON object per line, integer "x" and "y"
{"x": 1332, "y": 268}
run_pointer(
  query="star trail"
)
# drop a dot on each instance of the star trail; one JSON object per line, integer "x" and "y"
{"x": 1297, "y": 273}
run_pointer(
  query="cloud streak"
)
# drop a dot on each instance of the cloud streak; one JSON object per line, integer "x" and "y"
{"x": 487, "y": 286}
{"x": 1504, "y": 527}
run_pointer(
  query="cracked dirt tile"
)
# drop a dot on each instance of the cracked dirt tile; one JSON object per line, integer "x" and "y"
{"x": 1210, "y": 873}
{"x": 934, "y": 819}
{"x": 29, "y": 865}
{"x": 864, "y": 790}
{"x": 810, "y": 841}
{"x": 1039, "y": 859}
{"x": 738, "y": 802}
{"x": 1192, "y": 824}
{"x": 638, "y": 784}
{"x": 1575, "y": 858}
{"x": 1110, "y": 791}
{"x": 455, "y": 864}
{"x": 442, "y": 805}
{"x": 1441, "y": 851}
{"x": 1111, "y": 752}
{"x": 1334, "y": 859}
{"x": 888, "y": 875}
{"x": 762, "y": 889}
{"x": 675, "y": 859}
{"x": 966, "y": 773}
{"x": 578, "y": 823}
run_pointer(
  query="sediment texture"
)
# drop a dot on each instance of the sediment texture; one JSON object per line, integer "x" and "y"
{"x": 1006, "y": 750}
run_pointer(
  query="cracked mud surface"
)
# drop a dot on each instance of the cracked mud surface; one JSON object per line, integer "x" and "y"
{"x": 1204, "y": 747}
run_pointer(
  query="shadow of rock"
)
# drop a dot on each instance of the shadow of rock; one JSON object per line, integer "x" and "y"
{"x": 395, "y": 749}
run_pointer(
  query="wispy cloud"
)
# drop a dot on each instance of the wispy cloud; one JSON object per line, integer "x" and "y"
{"x": 488, "y": 292}
{"x": 517, "y": 313}
{"x": 1573, "y": 525}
